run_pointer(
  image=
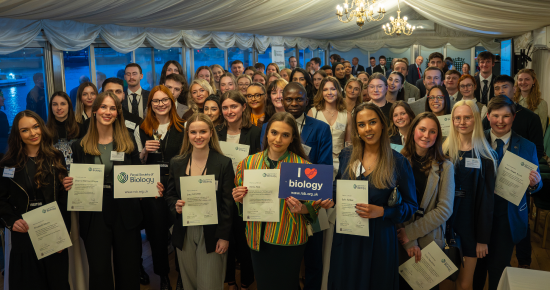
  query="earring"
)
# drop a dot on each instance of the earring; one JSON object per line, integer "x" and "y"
{"x": 94, "y": 114}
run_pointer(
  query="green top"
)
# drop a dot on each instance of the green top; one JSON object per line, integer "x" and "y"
{"x": 105, "y": 159}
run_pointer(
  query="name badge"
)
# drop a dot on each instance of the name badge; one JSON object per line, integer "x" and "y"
{"x": 9, "y": 172}
{"x": 164, "y": 165}
{"x": 117, "y": 156}
{"x": 473, "y": 163}
{"x": 35, "y": 203}
{"x": 340, "y": 126}
{"x": 410, "y": 100}
{"x": 130, "y": 124}
{"x": 307, "y": 149}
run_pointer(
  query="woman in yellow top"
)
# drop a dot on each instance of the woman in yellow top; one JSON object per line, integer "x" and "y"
{"x": 278, "y": 247}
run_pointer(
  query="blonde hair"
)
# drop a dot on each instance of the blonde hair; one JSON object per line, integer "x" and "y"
{"x": 319, "y": 100}
{"x": 480, "y": 145}
{"x": 212, "y": 81}
{"x": 214, "y": 143}
{"x": 121, "y": 137}
{"x": 205, "y": 85}
{"x": 243, "y": 76}
{"x": 359, "y": 99}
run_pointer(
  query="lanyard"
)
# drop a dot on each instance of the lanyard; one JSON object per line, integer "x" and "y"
{"x": 191, "y": 163}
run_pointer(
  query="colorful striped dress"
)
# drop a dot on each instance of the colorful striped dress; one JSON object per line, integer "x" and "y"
{"x": 291, "y": 230}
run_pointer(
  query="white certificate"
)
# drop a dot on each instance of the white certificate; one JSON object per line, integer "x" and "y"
{"x": 47, "y": 230}
{"x": 445, "y": 122}
{"x": 261, "y": 203}
{"x": 86, "y": 194}
{"x": 199, "y": 194}
{"x": 236, "y": 152}
{"x": 513, "y": 177}
{"x": 136, "y": 181}
{"x": 348, "y": 194}
{"x": 433, "y": 267}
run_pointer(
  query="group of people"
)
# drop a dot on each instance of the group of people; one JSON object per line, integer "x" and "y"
{"x": 339, "y": 115}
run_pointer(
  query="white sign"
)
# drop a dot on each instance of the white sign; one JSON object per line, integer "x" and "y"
{"x": 199, "y": 194}
{"x": 513, "y": 177}
{"x": 262, "y": 203}
{"x": 136, "y": 181}
{"x": 236, "y": 152}
{"x": 278, "y": 55}
{"x": 86, "y": 194}
{"x": 445, "y": 122}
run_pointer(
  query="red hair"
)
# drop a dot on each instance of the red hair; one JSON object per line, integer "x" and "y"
{"x": 467, "y": 76}
{"x": 151, "y": 123}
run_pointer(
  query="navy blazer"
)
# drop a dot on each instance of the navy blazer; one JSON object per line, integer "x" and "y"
{"x": 518, "y": 216}
{"x": 413, "y": 75}
{"x": 369, "y": 70}
{"x": 315, "y": 134}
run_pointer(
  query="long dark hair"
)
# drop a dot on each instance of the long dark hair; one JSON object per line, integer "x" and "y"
{"x": 393, "y": 130}
{"x": 309, "y": 82}
{"x": 79, "y": 105}
{"x": 269, "y": 107}
{"x": 296, "y": 144}
{"x": 237, "y": 97}
{"x": 446, "y": 99}
{"x": 47, "y": 157}
{"x": 435, "y": 153}
{"x": 165, "y": 67}
{"x": 401, "y": 94}
{"x": 70, "y": 123}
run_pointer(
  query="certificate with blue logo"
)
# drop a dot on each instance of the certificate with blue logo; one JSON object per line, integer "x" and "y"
{"x": 136, "y": 181}
{"x": 236, "y": 152}
{"x": 261, "y": 203}
{"x": 348, "y": 194}
{"x": 306, "y": 181}
{"x": 199, "y": 194}
{"x": 86, "y": 194}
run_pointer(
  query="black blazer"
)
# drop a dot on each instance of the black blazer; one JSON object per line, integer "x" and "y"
{"x": 378, "y": 69}
{"x": 396, "y": 139}
{"x": 491, "y": 94}
{"x": 145, "y": 100}
{"x": 129, "y": 209}
{"x": 222, "y": 168}
{"x": 358, "y": 69}
{"x": 14, "y": 198}
{"x": 249, "y": 136}
{"x": 413, "y": 75}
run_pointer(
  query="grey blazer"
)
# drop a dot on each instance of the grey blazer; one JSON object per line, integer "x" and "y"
{"x": 437, "y": 203}
{"x": 411, "y": 91}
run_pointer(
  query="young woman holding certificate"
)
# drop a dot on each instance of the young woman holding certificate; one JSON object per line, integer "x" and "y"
{"x": 475, "y": 169}
{"x": 201, "y": 250}
{"x": 33, "y": 171}
{"x": 435, "y": 185}
{"x": 159, "y": 139}
{"x": 277, "y": 248}
{"x": 114, "y": 231}
{"x": 359, "y": 262}
{"x": 237, "y": 128}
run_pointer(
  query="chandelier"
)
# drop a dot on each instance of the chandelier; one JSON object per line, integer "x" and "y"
{"x": 398, "y": 25}
{"x": 364, "y": 11}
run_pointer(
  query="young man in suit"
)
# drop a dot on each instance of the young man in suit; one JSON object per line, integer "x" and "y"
{"x": 334, "y": 58}
{"x": 356, "y": 67}
{"x": 510, "y": 221}
{"x": 485, "y": 85}
{"x": 433, "y": 76}
{"x": 415, "y": 70}
{"x": 381, "y": 67}
{"x": 434, "y": 60}
{"x": 315, "y": 63}
{"x": 412, "y": 93}
{"x": 137, "y": 96}
{"x": 237, "y": 68}
{"x": 451, "y": 84}
{"x": 370, "y": 69}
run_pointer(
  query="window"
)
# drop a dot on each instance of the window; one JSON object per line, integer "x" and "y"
{"x": 288, "y": 53}
{"x": 308, "y": 54}
{"x": 265, "y": 57}
{"x": 459, "y": 57}
{"x": 162, "y": 56}
{"x": 22, "y": 82}
{"x": 77, "y": 70}
{"x": 145, "y": 60}
{"x": 301, "y": 62}
{"x": 207, "y": 56}
{"x": 235, "y": 53}
{"x": 111, "y": 63}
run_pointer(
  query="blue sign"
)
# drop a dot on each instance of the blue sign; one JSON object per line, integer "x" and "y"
{"x": 306, "y": 181}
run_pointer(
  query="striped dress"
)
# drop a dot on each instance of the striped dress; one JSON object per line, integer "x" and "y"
{"x": 291, "y": 230}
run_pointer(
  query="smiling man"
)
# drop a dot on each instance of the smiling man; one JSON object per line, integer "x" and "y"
{"x": 485, "y": 80}
{"x": 451, "y": 84}
{"x": 137, "y": 97}
{"x": 432, "y": 77}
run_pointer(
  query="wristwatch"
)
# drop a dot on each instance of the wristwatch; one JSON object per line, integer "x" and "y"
{"x": 533, "y": 188}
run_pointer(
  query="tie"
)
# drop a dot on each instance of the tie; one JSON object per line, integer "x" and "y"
{"x": 419, "y": 74}
{"x": 484, "y": 92}
{"x": 500, "y": 149}
{"x": 135, "y": 105}
{"x": 353, "y": 72}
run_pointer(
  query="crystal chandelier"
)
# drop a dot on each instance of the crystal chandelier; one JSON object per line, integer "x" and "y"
{"x": 364, "y": 11}
{"x": 398, "y": 25}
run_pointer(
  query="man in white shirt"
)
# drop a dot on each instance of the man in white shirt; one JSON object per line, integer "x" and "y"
{"x": 136, "y": 102}
{"x": 451, "y": 84}
{"x": 485, "y": 87}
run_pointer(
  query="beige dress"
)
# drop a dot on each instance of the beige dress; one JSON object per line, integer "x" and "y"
{"x": 338, "y": 132}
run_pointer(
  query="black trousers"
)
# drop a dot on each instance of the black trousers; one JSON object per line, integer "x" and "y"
{"x": 313, "y": 259}
{"x": 156, "y": 224}
{"x": 124, "y": 244}
{"x": 500, "y": 248}
{"x": 27, "y": 272}
{"x": 238, "y": 249}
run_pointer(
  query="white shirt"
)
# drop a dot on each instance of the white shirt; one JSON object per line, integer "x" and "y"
{"x": 481, "y": 79}
{"x": 299, "y": 121}
{"x": 162, "y": 129}
{"x": 233, "y": 138}
{"x": 454, "y": 96}
{"x": 139, "y": 98}
{"x": 505, "y": 139}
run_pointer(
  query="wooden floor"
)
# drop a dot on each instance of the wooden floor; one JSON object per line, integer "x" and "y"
{"x": 540, "y": 258}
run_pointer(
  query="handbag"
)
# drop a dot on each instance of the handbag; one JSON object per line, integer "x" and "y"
{"x": 395, "y": 198}
{"x": 453, "y": 250}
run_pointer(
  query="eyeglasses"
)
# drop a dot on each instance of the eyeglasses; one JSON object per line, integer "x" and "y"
{"x": 256, "y": 96}
{"x": 163, "y": 101}
{"x": 439, "y": 98}
{"x": 469, "y": 86}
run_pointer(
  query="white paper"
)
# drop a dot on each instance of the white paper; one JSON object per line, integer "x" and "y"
{"x": 513, "y": 177}
{"x": 472, "y": 163}
{"x": 261, "y": 203}
{"x": 199, "y": 194}
{"x": 9, "y": 172}
{"x": 348, "y": 194}
{"x": 433, "y": 267}
{"x": 129, "y": 124}
{"x": 445, "y": 122}
{"x": 237, "y": 152}
{"x": 307, "y": 149}
{"x": 86, "y": 194}
{"x": 136, "y": 181}
{"x": 47, "y": 230}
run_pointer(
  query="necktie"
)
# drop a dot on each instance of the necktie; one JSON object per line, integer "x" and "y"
{"x": 484, "y": 92}
{"x": 135, "y": 105}
{"x": 353, "y": 72}
{"x": 419, "y": 74}
{"x": 500, "y": 149}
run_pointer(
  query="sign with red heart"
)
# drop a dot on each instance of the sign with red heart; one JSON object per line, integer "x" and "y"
{"x": 306, "y": 181}
{"x": 310, "y": 172}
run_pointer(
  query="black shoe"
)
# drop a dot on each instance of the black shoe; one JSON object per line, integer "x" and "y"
{"x": 179, "y": 285}
{"x": 165, "y": 283}
{"x": 143, "y": 277}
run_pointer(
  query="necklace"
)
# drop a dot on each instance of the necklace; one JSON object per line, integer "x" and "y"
{"x": 332, "y": 115}
{"x": 199, "y": 168}
{"x": 460, "y": 155}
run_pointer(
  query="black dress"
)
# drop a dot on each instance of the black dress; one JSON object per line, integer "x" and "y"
{"x": 464, "y": 224}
